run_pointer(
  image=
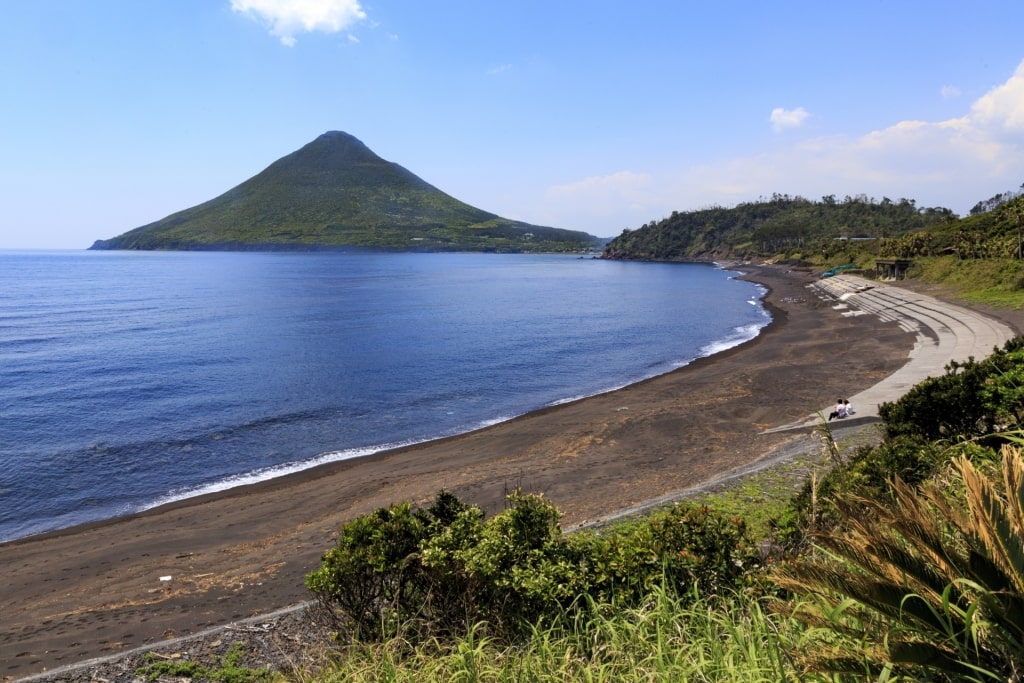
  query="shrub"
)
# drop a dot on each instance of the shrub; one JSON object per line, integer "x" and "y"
{"x": 973, "y": 402}
{"x": 923, "y": 586}
{"x": 690, "y": 549}
{"x": 972, "y": 399}
{"x": 511, "y": 571}
{"x": 367, "y": 583}
{"x": 442, "y": 571}
{"x": 433, "y": 572}
{"x": 866, "y": 473}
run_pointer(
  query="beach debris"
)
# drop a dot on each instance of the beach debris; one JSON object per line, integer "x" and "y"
{"x": 165, "y": 578}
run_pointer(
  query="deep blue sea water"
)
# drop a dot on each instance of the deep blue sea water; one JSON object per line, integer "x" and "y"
{"x": 128, "y": 379}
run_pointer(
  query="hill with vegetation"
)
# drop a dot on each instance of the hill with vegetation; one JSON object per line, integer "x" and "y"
{"x": 781, "y": 224}
{"x": 335, "y": 193}
{"x": 977, "y": 259}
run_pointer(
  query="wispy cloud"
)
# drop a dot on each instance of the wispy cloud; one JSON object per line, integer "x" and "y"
{"x": 499, "y": 69}
{"x": 950, "y": 91}
{"x": 287, "y": 18}
{"x": 624, "y": 186}
{"x": 784, "y": 119}
{"x": 952, "y": 163}
{"x": 600, "y": 205}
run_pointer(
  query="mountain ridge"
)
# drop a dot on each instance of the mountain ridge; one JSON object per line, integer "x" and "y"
{"x": 336, "y": 193}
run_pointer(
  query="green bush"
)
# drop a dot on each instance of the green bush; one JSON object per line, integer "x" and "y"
{"x": 923, "y": 586}
{"x": 513, "y": 570}
{"x": 368, "y": 581}
{"x": 972, "y": 399}
{"x": 974, "y": 402}
{"x": 689, "y": 548}
{"x": 866, "y": 473}
{"x": 433, "y": 572}
{"x": 442, "y": 571}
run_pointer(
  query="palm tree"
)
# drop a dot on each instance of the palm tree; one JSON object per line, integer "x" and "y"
{"x": 921, "y": 587}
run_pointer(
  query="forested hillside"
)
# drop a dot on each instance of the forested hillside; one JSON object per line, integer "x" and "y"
{"x": 781, "y": 224}
{"x": 995, "y": 233}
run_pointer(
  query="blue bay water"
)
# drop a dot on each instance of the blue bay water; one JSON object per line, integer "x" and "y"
{"x": 128, "y": 379}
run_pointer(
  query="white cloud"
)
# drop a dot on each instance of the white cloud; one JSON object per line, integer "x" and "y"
{"x": 783, "y": 119}
{"x": 623, "y": 187}
{"x": 600, "y": 205}
{"x": 1001, "y": 110}
{"x": 952, "y": 163}
{"x": 289, "y": 17}
{"x": 950, "y": 91}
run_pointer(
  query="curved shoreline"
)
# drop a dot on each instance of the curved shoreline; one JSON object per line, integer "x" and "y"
{"x": 437, "y": 397}
{"x": 95, "y": 590}
{"x": 330, "y": 467}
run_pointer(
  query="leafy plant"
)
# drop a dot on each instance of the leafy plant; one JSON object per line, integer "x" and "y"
{"x": 437, "y": 572}
{"x": 228, "y": 672}
{"x": 513, "y": 570}
{"x": 972, "y": 399}
{"x": 922, "y": 587}
{"x": 367, "y": 583}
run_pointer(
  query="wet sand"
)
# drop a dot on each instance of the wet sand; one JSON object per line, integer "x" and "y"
{"x": 98, "y": 589}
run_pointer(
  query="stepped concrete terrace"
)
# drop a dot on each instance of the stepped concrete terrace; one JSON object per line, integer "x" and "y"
{"x": 945, "y": 332}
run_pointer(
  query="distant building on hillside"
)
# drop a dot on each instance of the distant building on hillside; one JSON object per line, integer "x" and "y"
{"x": 892, "y": 268}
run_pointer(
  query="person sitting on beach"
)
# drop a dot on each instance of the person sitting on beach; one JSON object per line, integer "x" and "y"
{"x": 847, "y": 408}
{"x": 838, "y": 412}
{"x": 841, "y": 407}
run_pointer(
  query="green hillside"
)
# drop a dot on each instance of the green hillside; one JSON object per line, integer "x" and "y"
{"x": 336, "y": 193}
{"x": 978, "y": 258}
{"x": 780, "y": 225}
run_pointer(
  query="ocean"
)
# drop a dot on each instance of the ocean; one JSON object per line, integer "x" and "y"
{"x": 131, "y": 379}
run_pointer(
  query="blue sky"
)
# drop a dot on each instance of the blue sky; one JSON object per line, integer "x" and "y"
{"x": 594, "y": 116}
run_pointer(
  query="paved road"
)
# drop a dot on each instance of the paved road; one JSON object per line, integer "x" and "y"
{"x": 944, "y": 332}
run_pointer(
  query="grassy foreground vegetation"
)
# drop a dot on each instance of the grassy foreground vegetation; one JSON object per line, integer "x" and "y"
{"x": 667, "y": 639}
{"x": 903, "y": 561}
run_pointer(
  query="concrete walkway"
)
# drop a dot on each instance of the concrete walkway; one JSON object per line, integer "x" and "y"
{"x": 945, "y": 332}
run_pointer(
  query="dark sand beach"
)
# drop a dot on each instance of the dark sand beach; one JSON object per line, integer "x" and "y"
{"x": 97, "y": 590}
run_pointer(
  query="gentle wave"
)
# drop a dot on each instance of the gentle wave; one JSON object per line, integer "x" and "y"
{"x": 739, "y": 336}
{"x": 268, "y": 473}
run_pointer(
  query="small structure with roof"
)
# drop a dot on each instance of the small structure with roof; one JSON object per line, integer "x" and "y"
{"x": 892, "y": 268}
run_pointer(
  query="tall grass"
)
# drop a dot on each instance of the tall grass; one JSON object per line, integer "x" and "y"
{"x": 669, "y": 639}
{"x": 994, "y": 282}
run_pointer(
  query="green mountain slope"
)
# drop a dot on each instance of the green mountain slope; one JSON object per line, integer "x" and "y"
{"x": 782, "y": 224}
{"x": 335, "y": 193}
